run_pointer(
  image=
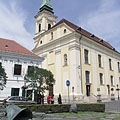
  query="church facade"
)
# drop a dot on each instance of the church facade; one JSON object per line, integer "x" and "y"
{"x": 71, "y": 53}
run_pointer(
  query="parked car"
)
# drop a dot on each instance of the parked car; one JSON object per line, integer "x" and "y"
{"x": 18, "y": 100}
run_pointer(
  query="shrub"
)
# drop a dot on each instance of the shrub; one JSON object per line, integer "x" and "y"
{"x": 64, "y": 108}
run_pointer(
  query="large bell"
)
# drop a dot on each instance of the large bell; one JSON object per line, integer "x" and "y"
{"x": 16, "y": 113}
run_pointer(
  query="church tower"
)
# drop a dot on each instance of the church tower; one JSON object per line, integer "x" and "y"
{"x": 45, "y": 18}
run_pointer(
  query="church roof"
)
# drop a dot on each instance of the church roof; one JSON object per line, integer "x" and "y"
{"x": 85, "y": 33}
{"x": 13, "y": 47}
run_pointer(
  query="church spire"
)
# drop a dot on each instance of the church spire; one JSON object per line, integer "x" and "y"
{"x": 46, "y": 5}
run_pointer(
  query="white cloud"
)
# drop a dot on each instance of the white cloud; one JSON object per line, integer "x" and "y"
{"x": 12, "y": 20}
{"x": 104, "y": 22}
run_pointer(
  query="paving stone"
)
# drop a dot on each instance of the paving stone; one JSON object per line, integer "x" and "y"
{"x": 53, "y": 119}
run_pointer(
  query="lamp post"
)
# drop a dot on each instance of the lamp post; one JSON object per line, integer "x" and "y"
{"x": 112, "y": 94}
{"x": 118, "y": 90}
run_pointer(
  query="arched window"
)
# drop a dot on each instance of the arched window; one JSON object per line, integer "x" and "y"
{"x": 65, "y": 31}
{"x": 41, "y": 42}
{"x": 49, "y": 26}
{"x": 65, "y": 59}
{"x": 39, "y": 27}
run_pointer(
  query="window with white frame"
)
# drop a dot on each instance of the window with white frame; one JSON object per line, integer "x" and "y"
{"x": 39, "y": 27}
{"x": 51, "y": 35}
{"x": 87, "y": 75}
{"x": 86, "y": 55}
{"x": 101, "y": 79}
{"x": 110, "y": 64}
{"x": 17, "y": 69}
{"x": 118, "y": 66}
{"x": 65, "y": 59}
{"x": 112, "y": 80}
{"x": 100, "y": 60}
{"x": 49, "y": 26}
{"x": 65, "y": 31}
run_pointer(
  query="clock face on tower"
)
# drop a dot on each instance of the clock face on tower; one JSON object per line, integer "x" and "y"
{"x": 49, "y": 16}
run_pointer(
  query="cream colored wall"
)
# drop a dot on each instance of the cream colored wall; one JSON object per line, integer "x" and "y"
{"x": 95, "y": 70}
{"x": 57, "y": 33}
{"x": 54, "y": 60}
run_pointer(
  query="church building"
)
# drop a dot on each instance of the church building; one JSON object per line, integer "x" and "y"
{"x": 90, "y": 64}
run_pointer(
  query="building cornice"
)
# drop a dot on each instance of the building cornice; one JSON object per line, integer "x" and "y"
{"x": 20, "y": 56}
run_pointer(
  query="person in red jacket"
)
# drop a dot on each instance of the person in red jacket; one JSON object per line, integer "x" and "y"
{"x": 48, "y": 99}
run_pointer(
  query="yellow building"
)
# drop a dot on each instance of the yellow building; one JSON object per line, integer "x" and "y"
{"x": 71, "y": 53}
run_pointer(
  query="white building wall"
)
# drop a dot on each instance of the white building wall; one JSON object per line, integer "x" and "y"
{"x": 15, "y": 81}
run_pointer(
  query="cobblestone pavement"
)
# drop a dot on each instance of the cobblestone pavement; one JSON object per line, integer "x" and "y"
{"x": 113, "y": 106}
{"x": 110, "y": 107}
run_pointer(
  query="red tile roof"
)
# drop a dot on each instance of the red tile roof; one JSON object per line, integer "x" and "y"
{"x": 85, "y": 33}
{"x": 13, "y": 47}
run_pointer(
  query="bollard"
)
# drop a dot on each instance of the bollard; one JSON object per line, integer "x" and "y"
{"x": 16, "y": 113}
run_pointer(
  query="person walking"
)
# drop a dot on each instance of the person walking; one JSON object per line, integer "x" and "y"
{"x": 48, "y": 99}
{"x": 42, "y": 98}
{"x": 52, "y": 99}
{"x": 59, "y": 99}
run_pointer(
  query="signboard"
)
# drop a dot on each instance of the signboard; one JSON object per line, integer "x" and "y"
{"x": 68, "y": 83}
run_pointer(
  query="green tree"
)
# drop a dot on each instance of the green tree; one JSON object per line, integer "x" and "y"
{"x": 3, "y": 78}
{"x": 39, "y": 79}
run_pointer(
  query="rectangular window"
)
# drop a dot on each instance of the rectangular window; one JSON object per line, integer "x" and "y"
{"x": 30, "y": 70}
{"x": 101, "y": 79}
{"x": 112, "y": 82}
{"x": 14, "y": 91}
{"x": 118, "y": 66}
{"x": 87, "y": 74}
{"x": 17, "y": 69}
{"x": 110, "y": 64}
{"x": 86, "y": 56}
{"x": 51, "y": 35}
{"x": 99, "y": 61}
{"x": 39, "y": 27}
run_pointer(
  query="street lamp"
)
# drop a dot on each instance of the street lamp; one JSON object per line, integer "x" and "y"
{"x": 112, "y": 94}
{"x": 118, "y": 90}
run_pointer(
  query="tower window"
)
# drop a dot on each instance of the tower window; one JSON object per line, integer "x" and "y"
{"x": 51, "y": 35}
{"x": 41, "y": 42}
{"x": 65, "y": 31}
{"x": 49, "y": 26}
{"x": 39, "y": 27}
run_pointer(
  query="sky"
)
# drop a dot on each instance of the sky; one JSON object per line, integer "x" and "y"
{"x": 99, "y": 17}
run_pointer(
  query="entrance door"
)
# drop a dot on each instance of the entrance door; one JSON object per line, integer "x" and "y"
{"x": 88, "y": 90}
{"x": 29, "y": 94}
